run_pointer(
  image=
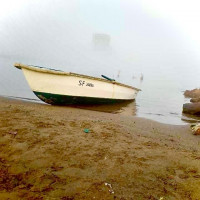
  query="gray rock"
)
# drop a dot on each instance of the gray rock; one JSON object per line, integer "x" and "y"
{"x": 192, "y": 108}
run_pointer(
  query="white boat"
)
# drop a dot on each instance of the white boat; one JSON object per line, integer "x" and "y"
{"x": 61, "y": 88}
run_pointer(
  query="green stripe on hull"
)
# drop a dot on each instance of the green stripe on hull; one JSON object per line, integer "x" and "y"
{"x": 57, "y": 99}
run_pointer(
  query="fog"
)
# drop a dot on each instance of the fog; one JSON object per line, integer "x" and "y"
{"x": 158, "y": 40}
{"x": 59, "y": 34}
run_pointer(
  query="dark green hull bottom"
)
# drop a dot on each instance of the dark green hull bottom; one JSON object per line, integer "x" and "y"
{"x": 57, "y": 99}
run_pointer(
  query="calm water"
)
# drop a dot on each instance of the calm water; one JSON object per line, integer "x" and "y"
{"x": 161, "y": 98}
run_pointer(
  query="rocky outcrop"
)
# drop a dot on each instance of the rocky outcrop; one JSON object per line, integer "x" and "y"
{"x": 191, "y": 108}
{"x": 192, "y": 93}
{"x": 195, "y": 100}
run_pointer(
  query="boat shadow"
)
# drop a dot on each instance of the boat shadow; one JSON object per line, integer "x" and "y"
{"x": 127, "y": 108}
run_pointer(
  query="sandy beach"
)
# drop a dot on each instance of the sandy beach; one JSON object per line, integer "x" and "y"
{"x": 45, "y": 154}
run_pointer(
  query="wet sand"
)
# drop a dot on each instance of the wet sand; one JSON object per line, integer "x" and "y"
{"x": 45, "y": 154}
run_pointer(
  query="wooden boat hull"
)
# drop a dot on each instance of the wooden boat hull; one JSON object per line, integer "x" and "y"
{"x": 61, "y": 88}
{"x": 57, "y": 99}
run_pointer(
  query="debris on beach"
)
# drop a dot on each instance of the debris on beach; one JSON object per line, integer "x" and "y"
{"x": 110, "y": 188}
{"x": 195, "y": 129}
{"x": 13, "y": 133}
{"x": 86, "y": 130}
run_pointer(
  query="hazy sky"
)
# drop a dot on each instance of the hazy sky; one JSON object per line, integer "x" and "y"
{"x": 59, "y": 32}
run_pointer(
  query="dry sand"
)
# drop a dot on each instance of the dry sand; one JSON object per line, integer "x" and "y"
{"x": 45, "y": 154}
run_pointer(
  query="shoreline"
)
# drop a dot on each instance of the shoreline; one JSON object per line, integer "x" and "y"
{"x": 123, "y": 108}
{"x": 45, "y": 153}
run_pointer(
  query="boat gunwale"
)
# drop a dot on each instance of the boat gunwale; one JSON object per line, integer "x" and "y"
{"x": 58, "y": 72}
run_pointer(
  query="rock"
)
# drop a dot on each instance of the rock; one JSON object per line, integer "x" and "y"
{"x": 192, "y": 93}
{"x": 192, "y": 108}
{"x": 195, "y": 129}
{"x": 195, "y": 100}
{"x": 190, "y": 118}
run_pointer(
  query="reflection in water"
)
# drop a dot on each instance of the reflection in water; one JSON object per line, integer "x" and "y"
{"x": 141, "y": 78}
{"x": 127, "y": 108}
